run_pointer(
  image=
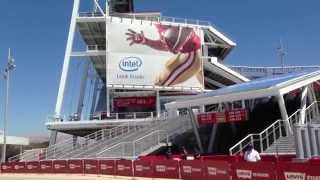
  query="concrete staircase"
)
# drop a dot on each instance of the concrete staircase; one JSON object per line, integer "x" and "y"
{"x": 283, "y": 145}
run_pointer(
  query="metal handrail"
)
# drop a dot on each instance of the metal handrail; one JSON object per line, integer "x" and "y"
{"x": 53, "y": 151}
{"x": 133, "y": 144}
{"x": 170, "y": 127}
{"x": 104, "y": 116}
{"x": 276, "y": 126}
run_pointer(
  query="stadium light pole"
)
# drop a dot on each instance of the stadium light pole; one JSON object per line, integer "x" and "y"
{"x": 10, "y": 67}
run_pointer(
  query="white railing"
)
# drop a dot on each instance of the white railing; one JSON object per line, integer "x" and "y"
{"x": 271, "y": 134}
{"x": 147, "y": 17}
{"x": 130, "y": 149}
{"x": 104, "y": 116}
{"x": 70, "y": 144}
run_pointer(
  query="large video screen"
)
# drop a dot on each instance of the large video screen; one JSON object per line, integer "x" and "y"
{"x": 154, "y": 54}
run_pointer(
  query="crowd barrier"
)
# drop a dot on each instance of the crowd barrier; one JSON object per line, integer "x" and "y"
{"x": 205, "y": 168}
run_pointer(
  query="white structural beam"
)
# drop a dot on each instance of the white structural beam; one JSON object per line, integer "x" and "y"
{"x": 284, "y": 114}
{"x": 222, "y": 98}
{"x": 83, "y": 88}
{"x": 298, "y": 83}
{"x": 66, "y": 62}
{"x": 303, "y": 105}
{"x": 215, "y": 83}
{"x": 88, "y": 53}
{"x": 91, "y": 19}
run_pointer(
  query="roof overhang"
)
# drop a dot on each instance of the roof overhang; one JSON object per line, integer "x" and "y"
{"x": 277, "y": 89}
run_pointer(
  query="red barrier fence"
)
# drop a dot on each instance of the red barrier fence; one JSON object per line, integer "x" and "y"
{"x": 166, "y": 169}
{"x": 75, "y": 166}
{"x": 192, "y": 170}
{"x": 107, "y": 167}
{"x": 254, "y": 170}
{"x": 46, "y": 167}
{"x": 143, "y": 168}
{"x": 124, "y": 168}
{"x": 19, "y": 167}
{"x": 207, "y": 168}
{"x": 217, "y": 170}
{"x": 60, "y": 166}
{"x": 91, "y": 166}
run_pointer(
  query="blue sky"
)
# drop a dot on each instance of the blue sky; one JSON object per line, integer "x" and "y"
{"x": 37, "y": 30}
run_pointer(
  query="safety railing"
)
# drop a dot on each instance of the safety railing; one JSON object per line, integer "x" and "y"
{"x": 104, "y": 116}
{"x": 131, "y": 150}
{"x": 94, "y": 148}
{"x": 146, "y": 140}
{"x": 276, "y": 130}
{"x": 94, "y": 139}
{"x": 152, "y": 17}
{"x": 70, "y": 144}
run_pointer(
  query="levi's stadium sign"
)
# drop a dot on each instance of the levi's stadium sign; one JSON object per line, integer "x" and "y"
{"x": 223, "y": 117}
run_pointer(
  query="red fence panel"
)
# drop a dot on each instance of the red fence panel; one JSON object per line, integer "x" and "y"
{"x": 291, "y": 170}
{"x": 75, "y": 166}
{"x": 124, "y": 168}
{"x": 33, "y": 167}
{"x": 143, "y": 168}
{"x": 107, "y": 167}
{"x": 166, "y": 169}
{"x": 313, "y": 170}
{"x": 60, "y": 166}
{"x": 6, "y": 167}
{"x": 255, "y": 170}
{"x": 192, "y": 170}
{"x": 217, "y": 170}
{"x": 18, "y": 167}
{"x": 91, "y": 166}
{"x": 46, "y": 167}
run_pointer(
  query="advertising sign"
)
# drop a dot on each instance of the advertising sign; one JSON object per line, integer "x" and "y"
{"x": 223, "y": 117}
{"x": 144, "y": 54}
{"x": 147, "y": 101}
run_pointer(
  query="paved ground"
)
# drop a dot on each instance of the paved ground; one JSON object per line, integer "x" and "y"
{"x": 56, "y": 177}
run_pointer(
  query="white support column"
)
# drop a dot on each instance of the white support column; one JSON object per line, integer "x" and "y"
{"x": 243, "y": 104}
{"x": 212, "y": 137}
{"x": 195, "y": 129}
{"x": 66, "y": 61}
{"x": 83, "y": 86}
{"x": 303, "y": 105}
{"x": 284, "y": 114}
{"x": 108, "y": 101}
{"x": 158, "y": 106}
{"x": 94, "y": 97}
{"x": 202, "y": 108}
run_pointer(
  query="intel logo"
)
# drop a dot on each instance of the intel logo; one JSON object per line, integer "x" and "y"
{"x": 130, "y": 64}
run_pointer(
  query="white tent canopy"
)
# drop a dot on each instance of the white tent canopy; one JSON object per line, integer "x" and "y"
{"x": 266, "y": 87}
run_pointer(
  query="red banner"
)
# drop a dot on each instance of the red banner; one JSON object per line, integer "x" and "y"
{"x": 107, "y": 167}
{"x": 33, "y": 167}
{"x": 19, "y": 167}
{"x": 75, "y": 166}
{"x": 146, "y": 101}
{"x": 223, "y": 117}
{"x": 143, "y": 168}
{"x": 254, "y": 170}
{"x": 166, "y": 169}
{"x": 217, "y": 170}
{"x": 191, "y": 169}
{"x": 60, "y": 166}
{"x": 124, "y": 168}
{"x": 7, "y": 167}
{"x": 46, "y": 167}
{"x": 91, "y": 166}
